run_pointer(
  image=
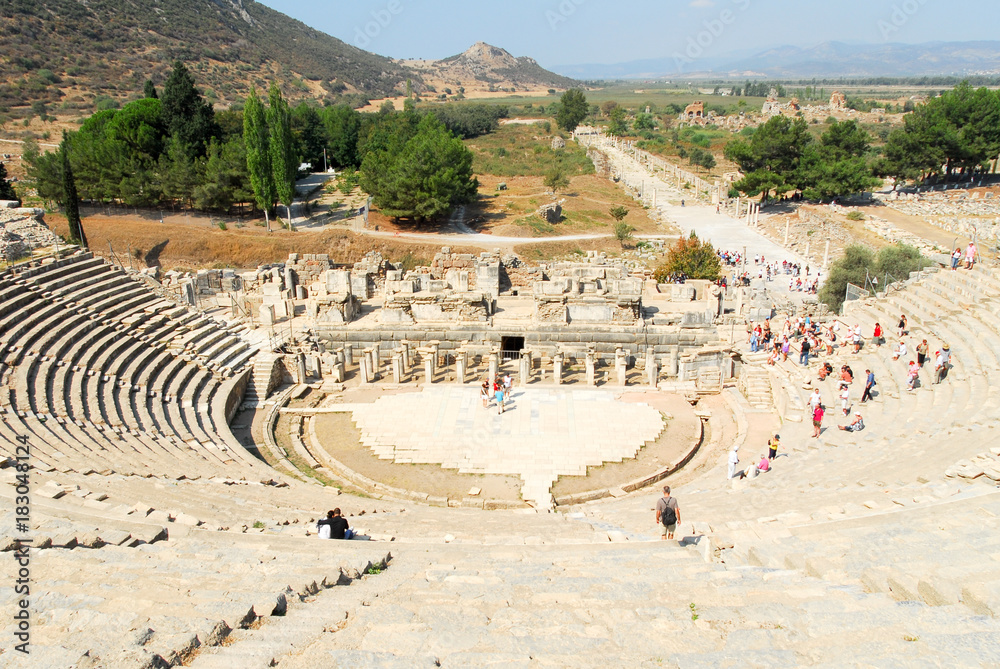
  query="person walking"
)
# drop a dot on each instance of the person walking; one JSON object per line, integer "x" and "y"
{"x": 877, "y": 336}
{"x": 485, "y": 394}
{"x": 869, "y": 385}
{"x": 772, "y": 447}
{"x": 668, "y": 514}
{"x": 902, "y": 325}
{"x": 922, "y": 349}
{"x": 942, "y": 363}
{"x": 734, "y": 459}
{"x": 970, "y": 255}
{"x": 817, "y": 420}
{"x": 804, "y": 352}
{"x": 499, "y": 398}
{"x": 956, "y": 258}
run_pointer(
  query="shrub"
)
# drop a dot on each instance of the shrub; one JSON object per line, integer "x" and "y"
{"x": 855, "y": 216}
{"x": 695, "y": 258}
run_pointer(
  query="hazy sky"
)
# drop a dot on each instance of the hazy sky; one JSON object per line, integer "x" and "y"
{"x": 563, "y": 32}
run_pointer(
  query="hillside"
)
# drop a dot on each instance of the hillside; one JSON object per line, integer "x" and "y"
{"x": 69, "y": 54}
{"x": 484, "y": 67}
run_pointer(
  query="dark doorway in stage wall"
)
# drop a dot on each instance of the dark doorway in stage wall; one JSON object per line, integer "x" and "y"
{"x": 511, "y": 347}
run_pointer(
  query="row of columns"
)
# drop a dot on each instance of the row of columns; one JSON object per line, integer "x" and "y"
{"x": 400, "y": 359}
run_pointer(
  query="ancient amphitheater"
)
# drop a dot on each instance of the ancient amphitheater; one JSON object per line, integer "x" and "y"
{"x": 177, "y": 460}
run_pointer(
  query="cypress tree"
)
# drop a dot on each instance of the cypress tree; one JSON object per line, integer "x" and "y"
{"x": 283, "y": 163}
{"x": 70, "y": 199}
{"x": 149, "y": 90}
{"x": 255, "y": 137}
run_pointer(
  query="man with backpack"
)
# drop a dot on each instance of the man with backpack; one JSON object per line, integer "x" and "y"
{"x": 668, "y": 514}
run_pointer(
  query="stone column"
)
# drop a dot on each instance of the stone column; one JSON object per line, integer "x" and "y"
{"x": 338, "y": 372}
{"x": 673, "y": 361}
{"x": 289, "y": 279}
{"x": 376, "y": 361}
{"x": 589, "y": 363}
{"x": 494, "y": 366}
{"x": 348, "y": 355}
{"x": 428, "y": 366}
{"x": 435, "y": 348}
{"x": 300, "y": 367}
{"x": 339, "y": 355}
{"x": 365, "y": 369}
{"x": 652, "y": 370}
{"x": 366, "y": 355}
{"x": 525, "y": 368}
{"x": 397, "y": 368}
{"x": 785, "y": 244}
{"x": 460, "y": 367}
{"x": 557, "y": 368}
{"x": 621, "y": 365}
{"x": 404, "y": 347}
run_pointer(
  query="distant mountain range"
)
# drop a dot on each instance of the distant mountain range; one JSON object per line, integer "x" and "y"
{"x": 830, "y": 59}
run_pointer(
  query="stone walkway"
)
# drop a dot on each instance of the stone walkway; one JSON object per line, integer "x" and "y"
{"x": 543, "y": 434}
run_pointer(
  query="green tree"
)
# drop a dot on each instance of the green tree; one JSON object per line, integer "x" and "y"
{"x": 573, "y": 109}
{"x": 149, "y": 90}
{"x": 425, "y": 177}
{"x": 618, "y": 213}
{"x": 255, "y": 138}
{"x": 692, "y": 257}
{"x": 71, "y": 201}
{"x": 619, "y": 122}
{"x": 226, "y": 179}
{"x": 185, "y": 113}
{"x": 45, "y": 171}
{"x": 179, "y": 174}
{"x": 859, "y": 263}
{"x": 644, "y": 122}
{"x": 837, "y": 165}
{"x": 555, "y": 179}
{"x": 283, "y": 163}
{"x": 7, "y": 191}
{"x": 623, "y": 232}
{"x": 309, "y": 135}
{"x": 343, "y": 127}
{"x": 770, "y": 159}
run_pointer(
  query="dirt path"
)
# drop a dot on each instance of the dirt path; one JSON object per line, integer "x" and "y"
{"x": 915, "y": 225}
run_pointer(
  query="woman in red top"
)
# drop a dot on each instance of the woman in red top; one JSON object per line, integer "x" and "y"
{"x": 877, "y": 336}
{"x": 817, "y": 420}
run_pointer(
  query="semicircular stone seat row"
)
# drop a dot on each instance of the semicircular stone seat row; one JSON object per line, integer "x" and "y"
{"x": 99, "y": 373}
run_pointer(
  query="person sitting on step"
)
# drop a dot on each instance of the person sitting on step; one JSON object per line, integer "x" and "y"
{"x": 856, "y": 425}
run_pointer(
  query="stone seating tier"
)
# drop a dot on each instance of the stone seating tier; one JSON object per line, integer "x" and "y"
{"x": 73, "y": 363}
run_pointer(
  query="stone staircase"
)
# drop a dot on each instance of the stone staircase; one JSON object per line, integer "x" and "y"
{"x": 258, "y": 382}
{"x": 755, "y": 384}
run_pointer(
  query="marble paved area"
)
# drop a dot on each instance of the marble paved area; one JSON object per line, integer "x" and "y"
{"x": 543, "y": 434}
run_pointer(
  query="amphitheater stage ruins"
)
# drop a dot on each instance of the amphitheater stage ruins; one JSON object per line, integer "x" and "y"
{"x": 179, "y": 435}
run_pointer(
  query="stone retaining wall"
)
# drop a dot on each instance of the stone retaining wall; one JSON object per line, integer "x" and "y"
{"x": 635, "y": 340}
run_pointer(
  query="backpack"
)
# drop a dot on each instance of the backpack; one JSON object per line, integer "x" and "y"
{"x": 668, "y": 516}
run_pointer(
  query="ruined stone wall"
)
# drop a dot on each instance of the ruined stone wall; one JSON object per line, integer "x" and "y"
{"x": 309, "y": 268}
{"x": 21, "y": 231}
